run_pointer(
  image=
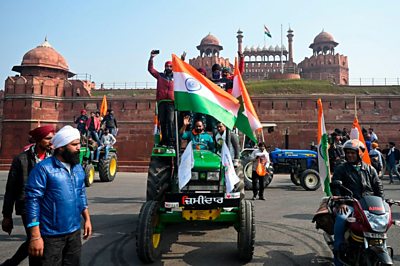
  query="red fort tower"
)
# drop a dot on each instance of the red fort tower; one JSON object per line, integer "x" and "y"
{"x": 40, "y": 95}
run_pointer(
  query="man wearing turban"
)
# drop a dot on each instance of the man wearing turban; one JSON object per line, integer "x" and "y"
{"x": 17, "y": 176}
{"x": 56, "y": 200}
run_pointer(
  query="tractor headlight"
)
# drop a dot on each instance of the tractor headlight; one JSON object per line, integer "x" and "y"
{"x": 195, "y": 176}
{"x": 213, "y": 176}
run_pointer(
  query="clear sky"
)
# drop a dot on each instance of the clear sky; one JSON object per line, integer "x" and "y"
{"x": 111, "y": 40}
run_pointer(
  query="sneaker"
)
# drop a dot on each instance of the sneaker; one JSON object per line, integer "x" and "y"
{"x": 262, "y": 198}
{"x": 254, "y": 198}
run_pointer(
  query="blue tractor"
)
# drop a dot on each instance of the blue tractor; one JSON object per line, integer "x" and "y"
{"x": 302, "y": 165}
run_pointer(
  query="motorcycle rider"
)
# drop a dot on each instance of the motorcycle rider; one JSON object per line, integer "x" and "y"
{"x": 360, "y": 178}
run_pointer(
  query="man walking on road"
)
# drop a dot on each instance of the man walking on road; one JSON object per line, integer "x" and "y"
{"x": 15, "y": 188}
{"x": 55, "y": 200}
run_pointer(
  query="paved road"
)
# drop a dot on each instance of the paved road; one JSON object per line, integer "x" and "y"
{"x": 284, "y": 232}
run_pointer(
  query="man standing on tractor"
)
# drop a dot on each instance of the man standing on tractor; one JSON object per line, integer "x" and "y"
{"x": 231, "y": 140}
{"x": 17, "y": 177}
{"x": 93, "y": 127}
{"x": 110, "y": 122}
{"x": 200, "y": 140}
{"x": 361, "y": 179}
{"x": 81, "y": 122}
{"x": 165, "y": 100}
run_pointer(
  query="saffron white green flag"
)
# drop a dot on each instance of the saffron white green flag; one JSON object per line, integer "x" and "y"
{"x": 186, "y": 165}
{"x": 194, "y": 92}
{"x": 231, "y": 179}
{"x": 247, "y": 119}
{"x": 323, "y": 158}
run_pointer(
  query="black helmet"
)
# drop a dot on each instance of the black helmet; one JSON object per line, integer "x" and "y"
{"x": 355, "y": 145}
{"x": 216, "y": 67}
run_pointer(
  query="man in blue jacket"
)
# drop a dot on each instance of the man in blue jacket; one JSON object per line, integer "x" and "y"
{"x": 55, "y": 200}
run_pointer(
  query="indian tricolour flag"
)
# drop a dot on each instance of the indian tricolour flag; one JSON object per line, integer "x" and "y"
{"x": 194, "y": 92}
{"x": 323, "y": 159}
{"x": 267, "y": 32}
{"x": 247, "y": 120}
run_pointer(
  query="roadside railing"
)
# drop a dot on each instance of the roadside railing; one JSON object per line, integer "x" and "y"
{"x": 374, "y": 82}
{"x": 137, "y": 85}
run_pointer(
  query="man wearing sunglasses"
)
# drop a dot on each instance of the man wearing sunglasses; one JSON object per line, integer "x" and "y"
{"x": 165, "y": 100}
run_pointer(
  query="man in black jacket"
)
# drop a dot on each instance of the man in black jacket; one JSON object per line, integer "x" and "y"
{"x": 110, "y": 122}
{"x": 15, "y": 188}
{"x": 359, "y": 177}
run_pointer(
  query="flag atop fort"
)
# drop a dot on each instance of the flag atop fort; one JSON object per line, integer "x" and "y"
{"x": 247, "y": 119}
{"x": 267, "y": 32}
{"x": 194, "y": 92}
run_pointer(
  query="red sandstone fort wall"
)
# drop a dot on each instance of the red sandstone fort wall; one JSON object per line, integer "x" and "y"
{"x": 295, "y": 115}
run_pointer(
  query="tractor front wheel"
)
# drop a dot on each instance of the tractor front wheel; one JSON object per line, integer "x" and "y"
{"x": 158, "y": 177}
{"x": 108, "y": 168}
{"x": 89, "y": 175}
{"x": 148, "y": 234}
{"x": 310, "y": 180}
{"x": 247, "y": 231}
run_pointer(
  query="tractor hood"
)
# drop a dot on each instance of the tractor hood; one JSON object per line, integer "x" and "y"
{"x": 278, "y": 153}
{"x": 206, "y": 161}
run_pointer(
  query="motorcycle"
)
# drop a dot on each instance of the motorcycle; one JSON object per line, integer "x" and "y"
{"x": 366, "y": 228}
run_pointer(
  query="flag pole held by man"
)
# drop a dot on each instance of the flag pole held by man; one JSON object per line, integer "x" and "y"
{"x": 323, "y": 158}
{"x": 247, "y": 119}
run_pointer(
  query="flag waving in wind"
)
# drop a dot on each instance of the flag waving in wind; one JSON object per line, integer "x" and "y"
{"x": 358, "y": 135}
{"x": 103, "y": 107}
{"x": 247, "y": 119}
{"x": 323, "y": 159}
{"x": 194, "y": 92}
{"x": 267, "y": 32}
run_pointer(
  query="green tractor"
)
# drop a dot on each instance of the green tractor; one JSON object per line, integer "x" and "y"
{"x": 107, "y": 167}
{"x": 202, "y": 199}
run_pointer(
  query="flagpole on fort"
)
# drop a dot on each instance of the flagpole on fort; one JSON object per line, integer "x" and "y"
{"x": 281, "y": 49}
{"x": 355, "y": 105}
{"x": 265, "y": 42}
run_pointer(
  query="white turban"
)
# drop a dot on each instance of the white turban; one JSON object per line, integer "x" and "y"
{"x": 65, "y": 136}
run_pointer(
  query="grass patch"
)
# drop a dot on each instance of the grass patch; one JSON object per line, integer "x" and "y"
{"x": 278, "y": 87}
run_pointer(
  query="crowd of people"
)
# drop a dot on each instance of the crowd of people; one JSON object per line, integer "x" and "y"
{"x": 378, "y": 155}
{"x": 196, "y": 125}
{"x": 97, "y": 132}
{"x": 47, "y": 181}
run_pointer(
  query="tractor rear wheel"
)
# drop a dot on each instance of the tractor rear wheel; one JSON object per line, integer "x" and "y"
{"x": 108, "y": 168}
{"x": 295, "y": 179}
{"x": 247, "y": 231}
{"x": 248, "y": 180}
{"x": 310, "y": 180}
{"x": 239, "y": 187}
{"x": 148, "y": 235}
{"x": 248, "y": 171}
{"x": 89, "y": 175}
{"x": 158, "y": 177}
